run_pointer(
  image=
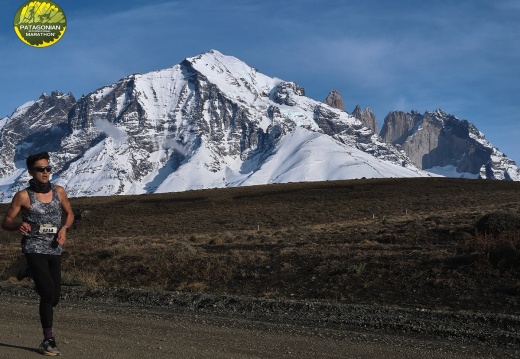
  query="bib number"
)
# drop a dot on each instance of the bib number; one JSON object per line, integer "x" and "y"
{"x": 48, "y": 229}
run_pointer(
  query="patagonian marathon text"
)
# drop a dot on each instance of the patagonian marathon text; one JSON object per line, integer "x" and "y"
{"x": 39, "y": 27}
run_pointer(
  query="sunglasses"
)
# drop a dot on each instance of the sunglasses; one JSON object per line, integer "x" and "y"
{"x": 42, "y": 168}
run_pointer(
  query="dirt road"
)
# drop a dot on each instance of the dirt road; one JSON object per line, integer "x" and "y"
{"x": 86, "y": 330}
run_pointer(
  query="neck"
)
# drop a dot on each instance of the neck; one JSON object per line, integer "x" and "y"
{"x": 39, "y": 187}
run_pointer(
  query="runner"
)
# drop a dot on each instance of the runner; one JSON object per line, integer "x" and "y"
{"x": 42, "y": 205}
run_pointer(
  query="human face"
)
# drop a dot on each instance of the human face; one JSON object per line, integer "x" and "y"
{"x": 42, "y": 177}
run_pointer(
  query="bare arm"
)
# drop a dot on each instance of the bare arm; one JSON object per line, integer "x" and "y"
{"x": 69, "y": 219}
{"x": 9, "y": 223}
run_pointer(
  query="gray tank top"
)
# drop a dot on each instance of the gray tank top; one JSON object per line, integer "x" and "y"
{"x": 45, "y": 221}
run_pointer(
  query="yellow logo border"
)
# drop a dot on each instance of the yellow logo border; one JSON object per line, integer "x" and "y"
{"x": 43, "y": 22}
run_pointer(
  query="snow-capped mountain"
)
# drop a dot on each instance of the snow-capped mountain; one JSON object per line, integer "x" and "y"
{"x": 442, "y": 143}
{"x": 210, "y": 121}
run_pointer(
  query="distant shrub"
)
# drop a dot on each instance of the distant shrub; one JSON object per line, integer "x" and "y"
{"x": 76, "y": 277}
{"x": 497, "y": 223}
{"x": 501, "y": 252}
{"x": 216, "y": 241}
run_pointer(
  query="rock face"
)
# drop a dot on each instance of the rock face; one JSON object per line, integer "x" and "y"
{"x": 213, "y": 121}
{"x": 366, "y": 117}
{"x": 210, "y": 121}
{"x": 334, "y": 100}
{"x": 436, "y": 140}
{"x": 41, "y": 124}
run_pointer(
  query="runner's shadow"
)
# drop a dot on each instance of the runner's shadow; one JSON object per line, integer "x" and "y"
{"x": 19, "y": 347}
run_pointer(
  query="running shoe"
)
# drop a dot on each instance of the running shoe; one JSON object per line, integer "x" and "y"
{"x": 49, "y": 348}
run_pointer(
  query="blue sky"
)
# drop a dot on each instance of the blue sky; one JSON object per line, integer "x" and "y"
{"x": 461, "y": 56}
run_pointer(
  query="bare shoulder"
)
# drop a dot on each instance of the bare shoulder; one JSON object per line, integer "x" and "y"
{"x": 20, "y": 199}
{"x": 21, "y": 196}
{"x": 60, "y": 190}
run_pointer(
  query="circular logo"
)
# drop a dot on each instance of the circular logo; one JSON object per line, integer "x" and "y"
{"x": 40, "y": 23}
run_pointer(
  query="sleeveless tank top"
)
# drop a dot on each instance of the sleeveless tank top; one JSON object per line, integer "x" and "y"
{"x": 45, "y": 221}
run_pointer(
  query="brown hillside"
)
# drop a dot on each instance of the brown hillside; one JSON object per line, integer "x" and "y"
{"x": 403, "y": 242}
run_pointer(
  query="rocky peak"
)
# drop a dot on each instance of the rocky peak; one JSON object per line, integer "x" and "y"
{"x": 54, "y": 107}
{"x": 43, "y": 122}
{"x": 213, "y": 121}
{"x": 334, "y": 100}
{"x": 366, "y": 117}
{"x": 285, "y": 92}
{"x": 436, "y": 140}
{"x": 397, "y": 126}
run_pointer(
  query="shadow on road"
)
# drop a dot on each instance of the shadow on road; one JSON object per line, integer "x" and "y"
{"x": 33, "y": 350}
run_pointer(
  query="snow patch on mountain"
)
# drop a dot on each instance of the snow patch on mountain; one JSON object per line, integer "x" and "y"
{"x": 451, "y": 171}
{"x": 210, "y": 121}
{"x": 305, "y": 155}
{"x": 3, "y": 121}
{"x": 302, "y": 155}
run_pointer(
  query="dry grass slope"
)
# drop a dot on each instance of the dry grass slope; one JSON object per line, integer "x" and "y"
{"x": 403, "y": 242}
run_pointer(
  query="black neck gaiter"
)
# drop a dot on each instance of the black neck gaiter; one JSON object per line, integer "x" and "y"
{"x": 39, "y": 187}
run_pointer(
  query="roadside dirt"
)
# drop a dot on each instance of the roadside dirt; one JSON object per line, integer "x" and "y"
{"x": 87, "y": 330}
{"x": 346, "y": 269}
{"x": 390, "y": 242}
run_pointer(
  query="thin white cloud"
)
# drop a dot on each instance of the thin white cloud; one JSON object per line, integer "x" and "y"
{"x": 111, "y": 130}
{"x": 423, "y": 55}
{"x": 173, "y": 144}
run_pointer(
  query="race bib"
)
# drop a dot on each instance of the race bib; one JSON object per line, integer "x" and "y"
{"x": 48, "y": 229}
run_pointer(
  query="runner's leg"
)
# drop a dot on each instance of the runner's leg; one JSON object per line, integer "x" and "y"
{"x": 44, "y": 283}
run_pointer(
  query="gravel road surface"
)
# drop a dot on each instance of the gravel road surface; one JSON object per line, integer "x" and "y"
{"x": 95, "y": 329}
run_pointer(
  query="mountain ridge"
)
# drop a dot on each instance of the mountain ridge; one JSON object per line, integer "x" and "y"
{"x": 209, "y": 121}
{"x": 437, "y": 141}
